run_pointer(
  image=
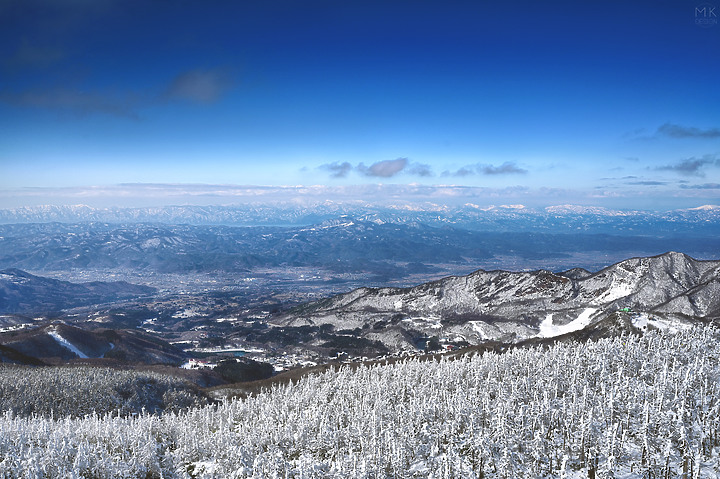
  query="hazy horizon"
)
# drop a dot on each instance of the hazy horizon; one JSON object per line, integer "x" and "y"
{"x": 437, "y": 198}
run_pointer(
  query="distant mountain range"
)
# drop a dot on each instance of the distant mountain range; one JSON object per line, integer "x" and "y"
{"x": 491, "y": 218}
{"x": 671, "y": 290}
{"x": 373, "y": 251}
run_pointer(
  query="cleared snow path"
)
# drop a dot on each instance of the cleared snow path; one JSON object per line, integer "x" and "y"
{"x": 643, "y": 320}
{"x": 549, "y": 330}
{"x": 616, "y": 291}
{"x": 67, "y": 344}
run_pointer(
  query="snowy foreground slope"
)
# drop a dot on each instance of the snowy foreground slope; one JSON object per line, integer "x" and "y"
{"x": 628, "y": 407}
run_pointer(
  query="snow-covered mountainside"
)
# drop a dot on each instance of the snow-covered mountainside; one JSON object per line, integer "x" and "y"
{"x": 670, "y": 290}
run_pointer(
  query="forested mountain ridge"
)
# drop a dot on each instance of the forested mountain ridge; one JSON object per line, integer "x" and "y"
{"x": 26, "y": 293}
{"x": 57, "y": 341}
{"x": 513, "y": 306}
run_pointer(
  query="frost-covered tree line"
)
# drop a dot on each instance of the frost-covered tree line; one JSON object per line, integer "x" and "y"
{"x": 79, "y": 391}
{"x": 644, "y": 407}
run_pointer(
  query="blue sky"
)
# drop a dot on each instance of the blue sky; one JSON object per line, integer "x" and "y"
{"x": 120, "y": 102}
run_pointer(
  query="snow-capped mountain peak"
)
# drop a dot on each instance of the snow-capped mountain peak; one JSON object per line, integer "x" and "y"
{"x": 517, "y": 306}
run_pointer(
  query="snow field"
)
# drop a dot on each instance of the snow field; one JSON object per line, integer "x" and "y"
{"x": 548, "y": 329}
{"x": 626, "y": 407}
{"x": 643, "y": 320}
